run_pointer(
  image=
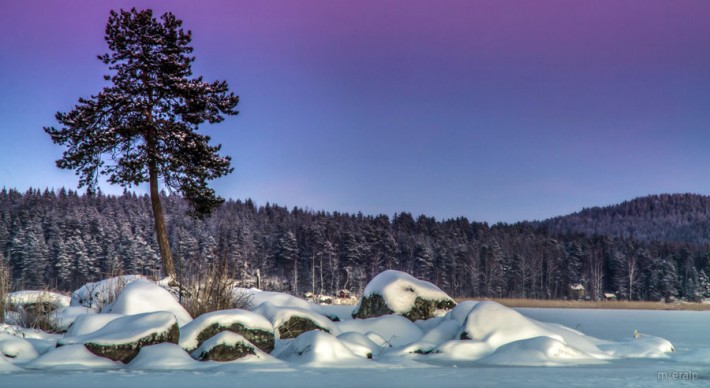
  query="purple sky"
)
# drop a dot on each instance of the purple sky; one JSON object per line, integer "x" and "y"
{"x": 493, "y": 110}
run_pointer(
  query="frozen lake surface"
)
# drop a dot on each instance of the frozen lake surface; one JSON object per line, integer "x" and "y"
{"x": 688, "y": 365}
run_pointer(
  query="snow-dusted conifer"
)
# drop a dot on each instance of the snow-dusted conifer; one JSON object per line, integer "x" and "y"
{"x": 143, "y": 127}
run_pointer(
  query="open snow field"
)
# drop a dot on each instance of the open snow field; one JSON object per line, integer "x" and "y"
{"x": 688, "y": 365}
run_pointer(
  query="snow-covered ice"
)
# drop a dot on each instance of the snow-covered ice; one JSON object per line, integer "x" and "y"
{"x": 531, "y": 347}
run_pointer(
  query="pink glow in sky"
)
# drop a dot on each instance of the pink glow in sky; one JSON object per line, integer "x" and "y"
{"x": 495, "y": 110}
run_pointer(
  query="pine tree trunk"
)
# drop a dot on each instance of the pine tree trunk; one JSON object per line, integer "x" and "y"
{"x": 160, "y": 230}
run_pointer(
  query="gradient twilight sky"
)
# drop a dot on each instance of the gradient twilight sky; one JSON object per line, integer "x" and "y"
{"x": 493, "y": 110}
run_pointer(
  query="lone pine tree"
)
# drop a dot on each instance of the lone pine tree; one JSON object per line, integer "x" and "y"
{"x": 143, "y": 127}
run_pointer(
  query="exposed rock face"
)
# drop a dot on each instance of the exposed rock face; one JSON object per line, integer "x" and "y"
{"x": 290, "y": 322}
{"x": 395, "y": 292}
{"x": 225, "y": 346}
{"x": 262, "y": 339}
{"x": 128, "y": 351}
{"x": 426, "y": 309}
{"x": 296, "y": 326}
{"x": 372, "y": 306}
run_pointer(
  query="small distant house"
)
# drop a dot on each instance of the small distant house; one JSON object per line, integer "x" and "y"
{"x": 576, "y": 291}
{"x": 609, "y": 296}
{"x": 343, "y": 294}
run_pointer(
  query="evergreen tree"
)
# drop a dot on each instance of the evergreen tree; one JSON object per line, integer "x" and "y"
{"x": 143, "y": 127}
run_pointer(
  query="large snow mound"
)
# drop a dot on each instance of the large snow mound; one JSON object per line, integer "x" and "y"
{"x": 498, "y": 325}
{"x": 395, "y": 292}
{"x": 143, "y": 296}
{"x": 98, "y": 294}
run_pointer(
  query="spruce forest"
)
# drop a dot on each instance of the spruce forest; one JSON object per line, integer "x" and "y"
{"x": 61, "y": 240}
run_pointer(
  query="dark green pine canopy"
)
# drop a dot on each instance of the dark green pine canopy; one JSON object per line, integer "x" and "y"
{"x": 146, "y": 121}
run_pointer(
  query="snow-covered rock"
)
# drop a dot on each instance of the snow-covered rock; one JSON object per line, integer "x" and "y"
{"x": 446, "y": 330}
{"x": 64, "y": 317}
{"x": 279, "y": 299}
{"x": 143, "y": 296}
{"x": 254, "y": 327}
{"x": 395, "y": 292}
{"x": 122, "y": 338}
{"x": 498, "y": 325}
{"x": 360, "y": 344}
{"x": 71, "y": 357}
{"x": 89, "y": 323}
{"x": 101, "y": 293}
{"x": 538, "y": 351}
{"x": 290, "y": 322}
{"x": 52, "y": 300}
{"x": 317, "y": 348}
{"x": 165, "y": 356}
{"x": 643, "y": 346}
{"x": 460, "y": 312}
{"x": 225, "y": 346}
{"x": 394, "y": 330}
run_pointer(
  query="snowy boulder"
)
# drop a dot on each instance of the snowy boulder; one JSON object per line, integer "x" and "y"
{"x": 34, "y": 308}
{"x": 498, "y": 325}
{"x": 316, "y": 347}
{"x": 642, "y": 346}
{"x": 143, "y": 296}
{"x": 16, "y": 349}
{"x": 225, "y": 346}
{"x": 89, "y": 323}
{"x": 71, "y": 357}
{"x": 101, "y": 293}
{"x": 165, "y": 356}
{"x": 538, "y": 351}
{"x": 290, "y": 322}
{"x": 280, "y": 299}
{"x": 395, "y": 292}
{"x": 387, "y": 331}
{"x": 61, "y": 319}
{"x": 360, "y": 344}
{"x": 122, "y": 338}
{"x": 252, "y": 326}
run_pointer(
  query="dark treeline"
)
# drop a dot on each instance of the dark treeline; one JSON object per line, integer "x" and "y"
{"x": 62, "y": 240}
{"x": 665, "y": 217}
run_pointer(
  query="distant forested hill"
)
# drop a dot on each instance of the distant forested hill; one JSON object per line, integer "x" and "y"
{"x": 62, "y": 240}
{"x": 665, "y": 217}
